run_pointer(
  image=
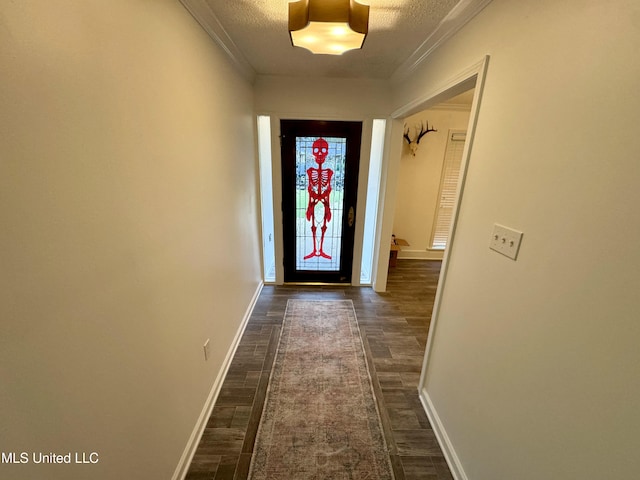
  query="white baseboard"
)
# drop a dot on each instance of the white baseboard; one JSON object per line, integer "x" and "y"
{"x": 443, "y": 439}
{"x": 196, "y": 435}
{"x": 421, "y": 254}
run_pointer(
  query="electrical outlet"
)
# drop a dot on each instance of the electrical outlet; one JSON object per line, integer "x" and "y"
{"x": 506, "y": 241}
{"x": 207, "y": 351}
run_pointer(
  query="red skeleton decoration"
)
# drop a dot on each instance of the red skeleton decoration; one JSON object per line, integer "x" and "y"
{"x": 319, "y": 190}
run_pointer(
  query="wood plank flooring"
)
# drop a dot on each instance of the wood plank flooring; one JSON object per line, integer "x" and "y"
{"x": 394, "y": 328}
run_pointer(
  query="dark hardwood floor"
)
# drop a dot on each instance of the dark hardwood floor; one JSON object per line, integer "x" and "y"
{"x": 394, "y": 328}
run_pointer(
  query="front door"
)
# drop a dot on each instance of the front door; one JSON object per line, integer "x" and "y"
{"x": 319, "y": 184}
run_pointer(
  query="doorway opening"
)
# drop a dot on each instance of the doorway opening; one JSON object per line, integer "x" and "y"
{"x": 429, "y": 175}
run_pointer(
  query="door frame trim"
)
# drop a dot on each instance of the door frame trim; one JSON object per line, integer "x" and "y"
{"x": 472, "y": 77}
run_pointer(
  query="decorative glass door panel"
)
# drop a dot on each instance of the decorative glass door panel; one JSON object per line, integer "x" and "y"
{"x": 320, "y": 166}
{"x": 320, "y": 161}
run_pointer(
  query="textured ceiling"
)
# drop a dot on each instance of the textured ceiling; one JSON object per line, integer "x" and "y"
{"x": 397, "y": 28}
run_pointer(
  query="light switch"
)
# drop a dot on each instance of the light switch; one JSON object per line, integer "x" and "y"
{"x": 506, "y": 241}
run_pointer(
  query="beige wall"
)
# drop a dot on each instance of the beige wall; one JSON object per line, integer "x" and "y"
{"x": 128, "y": 231}
{"x": 534, "y": 367}
{"x": 420, "y": 176}
{"x": 333, "y": 98}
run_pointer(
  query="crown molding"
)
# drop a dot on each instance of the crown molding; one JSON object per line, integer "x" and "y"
{"x": 458, "y": 107}
{"x": 464, "y": 11}
{"x": 202, "y": 13}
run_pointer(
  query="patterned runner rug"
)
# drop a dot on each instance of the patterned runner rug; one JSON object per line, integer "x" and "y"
{"x": 320, "y": 420}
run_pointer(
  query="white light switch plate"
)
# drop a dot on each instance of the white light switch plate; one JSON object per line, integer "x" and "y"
{"x": 506, "y": 241}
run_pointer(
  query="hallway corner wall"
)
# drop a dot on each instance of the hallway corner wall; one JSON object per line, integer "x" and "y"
{"x": 129, "y": 231}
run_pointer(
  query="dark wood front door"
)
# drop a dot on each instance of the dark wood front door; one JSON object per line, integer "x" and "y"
{"x": 319, "y": 184}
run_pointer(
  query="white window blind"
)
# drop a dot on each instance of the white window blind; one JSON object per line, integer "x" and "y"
{"x": 448, "y": 187}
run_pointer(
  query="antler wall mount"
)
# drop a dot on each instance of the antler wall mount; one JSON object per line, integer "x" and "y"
{"x": 413, "y": 144}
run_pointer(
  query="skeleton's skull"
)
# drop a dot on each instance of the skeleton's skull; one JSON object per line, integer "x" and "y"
{"x": 320, "y": 150}
{"x": 413, "y": 146}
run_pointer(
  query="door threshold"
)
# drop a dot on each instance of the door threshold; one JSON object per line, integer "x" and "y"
{"x": 318, "y": 284}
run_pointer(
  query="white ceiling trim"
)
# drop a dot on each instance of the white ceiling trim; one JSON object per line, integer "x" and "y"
{"x": 454, "y": 21}
{"x": 457, "y": 85}
{"x": 456, "y": 107}
{"x": 210, "y": 23}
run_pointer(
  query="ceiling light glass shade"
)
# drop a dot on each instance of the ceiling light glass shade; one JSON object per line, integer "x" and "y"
{"x": 329, "y": 27}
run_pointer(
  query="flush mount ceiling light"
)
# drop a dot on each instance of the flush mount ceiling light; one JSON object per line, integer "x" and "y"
{"x": 330, "y": 27}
